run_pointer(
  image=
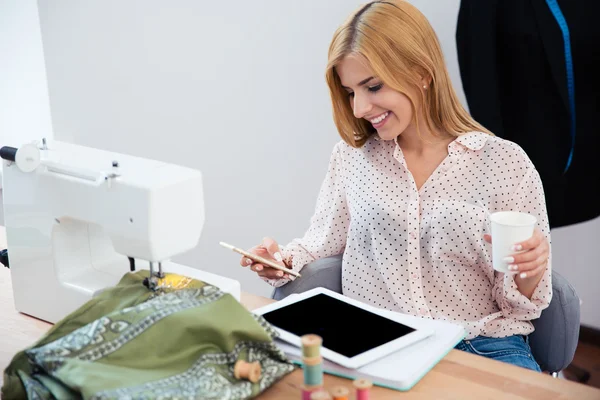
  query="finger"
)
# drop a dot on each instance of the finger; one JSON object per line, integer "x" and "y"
{"x": 259, "y": 251}
{"x": 529, "y": 266}
{"x": 543, "y": 250}
{"x": 525, "y": 257}
{"x": 487, "y": 238}
{"x": 271, "y": 273}
{"x": 533, "y": 273}
{"x": 257, "y": 267}
{"x": 531, "y": 243}
{"x": 273, "y": 249}
{"x": 264, "y": 253}
{"x": 246, "y": 262}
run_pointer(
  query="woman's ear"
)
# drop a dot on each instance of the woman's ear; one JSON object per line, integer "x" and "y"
{"x": 423, "y": 77}
{"x": 425, "y": 81}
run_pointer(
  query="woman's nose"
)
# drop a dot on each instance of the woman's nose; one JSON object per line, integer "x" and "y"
{"x": 362, "y": 106}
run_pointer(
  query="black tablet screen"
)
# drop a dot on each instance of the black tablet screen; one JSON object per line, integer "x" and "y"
{"x": 345, "y": 329}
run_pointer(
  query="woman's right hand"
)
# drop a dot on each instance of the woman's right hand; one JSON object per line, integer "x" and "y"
{"x": 268, "y": 249}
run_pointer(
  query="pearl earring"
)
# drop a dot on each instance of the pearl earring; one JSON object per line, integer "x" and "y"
{"x": 424, "y": 86}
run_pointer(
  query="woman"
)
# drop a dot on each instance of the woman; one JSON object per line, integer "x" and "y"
{"x": 409, "y": 187}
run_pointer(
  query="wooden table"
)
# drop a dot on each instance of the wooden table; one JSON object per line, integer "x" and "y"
{"x": 459, "y": 375}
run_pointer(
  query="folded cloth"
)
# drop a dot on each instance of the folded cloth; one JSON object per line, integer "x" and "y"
{"x": 180, "y": 341}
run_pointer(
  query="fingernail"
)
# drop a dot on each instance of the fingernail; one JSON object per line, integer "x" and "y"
{"x": 513, "y": 267}
{"x": 280, "y": 273}
{"x": 248, "y": 261}
{"x": 509, "y": 260}
{"x": 259, "y": 268}
{"x": 523, "y": 275}
{"x": 518, "y": 247}
{"x": 278, "y": 257}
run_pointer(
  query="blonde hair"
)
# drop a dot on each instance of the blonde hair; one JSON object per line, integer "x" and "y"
{"x": 401, "y": 48}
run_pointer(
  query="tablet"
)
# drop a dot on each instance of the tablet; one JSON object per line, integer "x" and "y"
{"x": 354, "y": 333}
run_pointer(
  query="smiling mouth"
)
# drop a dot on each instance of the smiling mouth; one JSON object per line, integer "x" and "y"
{"x": 380, "y": 120}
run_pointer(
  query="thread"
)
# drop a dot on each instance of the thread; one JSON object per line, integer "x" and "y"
{"x": 312, "y": 360}
{"x": 340, "y": 393}
{"x": 246, "y": 370}
{"x": 363, "y": 387}
{"x": 308, "y": 390}
{"x": 313, "y": 374}
{"x": 311, "y": 345}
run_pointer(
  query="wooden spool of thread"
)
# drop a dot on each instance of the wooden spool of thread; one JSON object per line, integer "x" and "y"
{"x": 320, "y": 395}
{"x": 307, "y": 390}
{"x": 340, "y": 393}
{"x": 363, "y": 387}
{"x": 246, "y": 370}
{"x": 313, "y": 370}
{"x": 311, "y": 345}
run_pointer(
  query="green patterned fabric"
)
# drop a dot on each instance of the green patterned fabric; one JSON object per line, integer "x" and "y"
{"x": 180, "y": 341}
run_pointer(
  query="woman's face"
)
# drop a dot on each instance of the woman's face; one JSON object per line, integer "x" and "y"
{"x": 389, "y": 111}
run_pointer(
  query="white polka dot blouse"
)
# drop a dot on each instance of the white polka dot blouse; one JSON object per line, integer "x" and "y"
{"x": 422, "y": 252}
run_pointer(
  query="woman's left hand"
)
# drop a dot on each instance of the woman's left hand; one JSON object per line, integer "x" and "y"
{"x": 533, "y": 260}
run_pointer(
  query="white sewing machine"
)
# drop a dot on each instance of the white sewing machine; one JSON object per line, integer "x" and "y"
{"x": 78, "y": 218}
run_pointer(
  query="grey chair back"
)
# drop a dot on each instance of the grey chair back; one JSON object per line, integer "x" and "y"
{"x": 556, "y": 334}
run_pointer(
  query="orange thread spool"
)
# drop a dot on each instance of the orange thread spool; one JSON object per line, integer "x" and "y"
{"x": 340, "y": 393}
{"x": 246, "y": 370}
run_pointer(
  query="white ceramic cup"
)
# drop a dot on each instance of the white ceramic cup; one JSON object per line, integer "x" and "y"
{"x": 508, "y": 229}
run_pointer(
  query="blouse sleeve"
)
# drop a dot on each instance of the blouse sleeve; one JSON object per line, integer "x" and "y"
{"x": 328, "y": 228}
{"x": 528, "y": 198}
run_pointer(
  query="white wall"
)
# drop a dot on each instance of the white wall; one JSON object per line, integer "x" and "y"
{"x": 235, "y": 89}
{"x": 24, "y": 104}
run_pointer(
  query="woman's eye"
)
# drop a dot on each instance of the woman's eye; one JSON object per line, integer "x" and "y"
{"x": 351, "y": 94}
{"x": 375, "y": 88}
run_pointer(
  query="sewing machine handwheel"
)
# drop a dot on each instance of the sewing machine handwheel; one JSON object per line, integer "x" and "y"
{"x": 28, "y": 157}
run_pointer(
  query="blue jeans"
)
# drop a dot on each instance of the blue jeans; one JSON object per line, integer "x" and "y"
{"x": 514, "y": 350}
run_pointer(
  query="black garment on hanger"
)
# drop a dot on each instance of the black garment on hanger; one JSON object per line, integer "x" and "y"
{"x": 512, "y": 63}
